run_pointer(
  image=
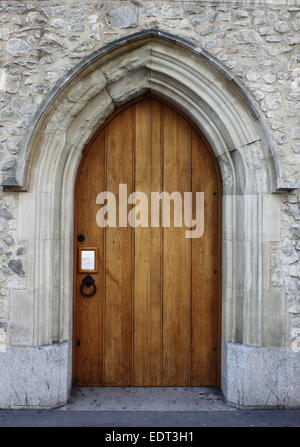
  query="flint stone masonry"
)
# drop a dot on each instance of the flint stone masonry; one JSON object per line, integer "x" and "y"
{"x": 17, "y": 47}
{"x": 8, "y": 239}
{"x": 124, "y": 16}
{"x": 258, "y": 43}
{"x": 16, "y": 266}
{"x": 6, "y": 214}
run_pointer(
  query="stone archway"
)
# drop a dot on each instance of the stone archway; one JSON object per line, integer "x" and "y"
{"x": 238, "y": 133}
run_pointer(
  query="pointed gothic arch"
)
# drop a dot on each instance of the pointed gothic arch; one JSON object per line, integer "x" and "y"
{"x": 238, "y": 133}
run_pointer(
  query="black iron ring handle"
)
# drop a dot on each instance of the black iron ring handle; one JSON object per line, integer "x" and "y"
{"x": 88, "y": 281}
{"x": 88, "y": 294}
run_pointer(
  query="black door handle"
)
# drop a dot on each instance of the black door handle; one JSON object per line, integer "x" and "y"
{"x": 88, "y": 282}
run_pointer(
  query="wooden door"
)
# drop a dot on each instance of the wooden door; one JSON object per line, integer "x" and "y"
{"x": 155, "y": 317}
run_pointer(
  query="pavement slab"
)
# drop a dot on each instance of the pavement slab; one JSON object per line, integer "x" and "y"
{"x": 148, "y": 407}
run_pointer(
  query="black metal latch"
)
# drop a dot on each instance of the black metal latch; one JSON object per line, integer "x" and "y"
{"x": 88, "y": 282}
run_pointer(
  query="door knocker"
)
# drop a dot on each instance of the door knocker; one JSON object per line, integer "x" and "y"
{"x": 88, "y": 282}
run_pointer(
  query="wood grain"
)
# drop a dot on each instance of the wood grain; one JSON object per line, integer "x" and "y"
{"x": 176, "y": 256}
{"x": 119, "y": 257}
{"x": 155, "y": 319}
{"x": 205, "y": 271}
{"x": 147, "y": 292}
{"x": 88, "y": 322}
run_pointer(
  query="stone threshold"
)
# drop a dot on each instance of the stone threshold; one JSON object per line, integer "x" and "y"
{"x": 146, "y": 399}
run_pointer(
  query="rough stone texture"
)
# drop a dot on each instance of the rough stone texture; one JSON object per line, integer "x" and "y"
{"x": 257, "y": 377}
{"x": 17, "y": 47}
{"x": 124, "y": 16}
{"x": 6, "y": 214}
{"x": 40, "y": 41}
{"x": 8, "y": 239}
{"x": 40, "y": 44}
{"x": 34, "y": 377}
{"x": 16, "y": 266}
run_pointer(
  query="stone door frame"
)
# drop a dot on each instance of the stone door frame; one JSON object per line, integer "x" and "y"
{"x": 237, "y": 131}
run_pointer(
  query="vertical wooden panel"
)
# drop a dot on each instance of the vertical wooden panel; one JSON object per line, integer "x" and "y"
{"x": 155, "y": 319}
{"x": 176, "y": 256}
{"x": 88, "y": 328}
{"x": 119, "y": 257}
{"x": 147, "y": 293}
{"x": 205, "y": 270}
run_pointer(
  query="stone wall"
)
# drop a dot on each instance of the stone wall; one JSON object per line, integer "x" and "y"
{"x": 260, "y": 42}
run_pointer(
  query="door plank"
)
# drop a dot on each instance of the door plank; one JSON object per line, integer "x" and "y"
{"x": 176, "y": 256}
{"x": 205, "y": 271}
{"x": 147, "y": 292}
{"x": 89, "y": 325}
{"x": 119, "y": 257}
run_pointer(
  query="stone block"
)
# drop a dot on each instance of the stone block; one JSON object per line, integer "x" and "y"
{"x": 34, "y": 377}
{"x": 129, "y": 86}
{"x": 21, "y": 318}
{"x": 124, "y": 16}
{"x": 260, "y": 378}
{"x": 271, "y": 208}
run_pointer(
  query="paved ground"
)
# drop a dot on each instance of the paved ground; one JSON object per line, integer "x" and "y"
{"x": 70, "y": 418}
{"x": 148, "y": 407}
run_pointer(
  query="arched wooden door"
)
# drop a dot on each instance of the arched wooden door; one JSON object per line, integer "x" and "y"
{"x": 155, "y": 317}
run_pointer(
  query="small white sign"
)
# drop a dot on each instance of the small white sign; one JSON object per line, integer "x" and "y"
{"x": 87, "y": 260}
